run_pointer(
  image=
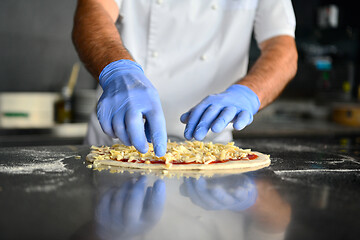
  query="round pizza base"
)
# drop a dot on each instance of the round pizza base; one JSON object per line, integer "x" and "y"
{"x": 260, "y": 162}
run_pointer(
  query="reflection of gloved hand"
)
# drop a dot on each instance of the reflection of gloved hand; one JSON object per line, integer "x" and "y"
{"x": 237, "y": 104}
{"x": 235, "y": 192}
{"x": 128, "y": 97}
{"x": 128, "y": 211}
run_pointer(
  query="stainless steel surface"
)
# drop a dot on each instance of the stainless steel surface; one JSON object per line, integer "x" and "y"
{"x": 310, "y": 191}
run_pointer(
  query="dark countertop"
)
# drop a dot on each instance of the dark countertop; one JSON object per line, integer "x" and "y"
{"x": 310, "y": 191}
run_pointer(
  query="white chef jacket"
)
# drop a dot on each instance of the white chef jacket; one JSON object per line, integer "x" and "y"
{"x": 190, "y": 49}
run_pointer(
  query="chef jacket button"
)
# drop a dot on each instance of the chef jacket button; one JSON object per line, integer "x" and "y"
{"x": 154, "y": 54}
{"x": 159, "y": 1}
{"x": 214, "y": 7}
{"x": 203, "y": 57}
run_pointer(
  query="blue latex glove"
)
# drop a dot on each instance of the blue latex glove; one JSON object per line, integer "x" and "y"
{"x": 128, "y": 98}
{"x": 237, "y": 104}
{"x": 128, "y": 211}
{"x": 234, "y": 192}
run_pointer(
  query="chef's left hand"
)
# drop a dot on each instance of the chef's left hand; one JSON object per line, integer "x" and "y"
{"x": 237, "y": 104}
{"x": 234, "y": 192}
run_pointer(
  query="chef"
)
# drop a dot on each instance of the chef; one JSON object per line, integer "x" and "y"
{"x": 169, "y": 64}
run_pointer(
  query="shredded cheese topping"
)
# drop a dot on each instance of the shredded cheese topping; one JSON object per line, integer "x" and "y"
{"x": 187, "y": 152}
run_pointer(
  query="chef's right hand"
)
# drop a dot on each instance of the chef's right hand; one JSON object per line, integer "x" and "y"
{"x": 128, "y": 98}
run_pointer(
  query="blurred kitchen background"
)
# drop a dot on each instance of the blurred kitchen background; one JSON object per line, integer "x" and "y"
{"x": 46, "y": 96}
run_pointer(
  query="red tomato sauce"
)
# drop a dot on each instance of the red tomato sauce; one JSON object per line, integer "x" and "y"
{"x": 249, "y": 157}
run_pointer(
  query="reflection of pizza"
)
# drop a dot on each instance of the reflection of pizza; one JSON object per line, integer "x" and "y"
{"x": 188, "y": 155}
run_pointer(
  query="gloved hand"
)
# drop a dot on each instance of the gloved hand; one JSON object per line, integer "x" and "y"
{"x": 129, "y": 210}
{"x": 234, "y": 192}
{"x": 129, "y": 97}
{"x": 237, "y": 104}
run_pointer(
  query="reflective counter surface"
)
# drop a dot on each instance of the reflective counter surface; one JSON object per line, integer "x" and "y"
{"x": 310, "y": 191}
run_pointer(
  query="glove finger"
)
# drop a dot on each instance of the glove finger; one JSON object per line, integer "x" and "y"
{"x": 224, "y": 118}
{"x": 245, "y": 189}
{"x": 192, "y": 193}
{"x": 117, "y": 203}
{"x": 135, "y": 129}
{"x": 206, "y": 120}
{"x": 183, "y": 190}
{"x": 103, "y": 211}
{"x": 222, "y": 197}
{"x": 243, "y": 119}
{"x": 105, "y": 118}
{"x": 157, "y": 128}
{"x": 240, "y": 193}
{"x": 246, "y": 198}
{"x": 184, "y": 118}
{"x": 154, "y": 202}
{"x": 200, "y": 186}
{"x": 193, "y": 120}
{"x": 118, "y": 125}
{"x": 134, "y": 199}
{"x": 147, "y": 132}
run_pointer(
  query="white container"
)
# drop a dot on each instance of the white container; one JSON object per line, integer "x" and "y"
{"x": 27, "y": 109}
{"x": 85, "y": 101}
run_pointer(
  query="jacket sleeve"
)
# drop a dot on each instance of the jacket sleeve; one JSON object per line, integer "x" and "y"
{"x": 118, "y": 2}
{"x": 274, "y": 18}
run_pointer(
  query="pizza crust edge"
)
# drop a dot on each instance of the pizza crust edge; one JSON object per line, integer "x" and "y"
{"x": 261, "y": 161}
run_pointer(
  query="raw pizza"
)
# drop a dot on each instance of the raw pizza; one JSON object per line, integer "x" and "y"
{"x": 189, "y": 155}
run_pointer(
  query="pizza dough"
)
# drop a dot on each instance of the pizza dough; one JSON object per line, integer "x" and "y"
{"x": 189, "y": 155}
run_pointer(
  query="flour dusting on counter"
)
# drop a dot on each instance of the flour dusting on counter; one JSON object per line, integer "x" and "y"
{"x": 41, "y": 167}
{"x": 38, "y": 162}
{"x": 48, "y": 185}
{"x": 44, "y": 188}
{"x": 289, "y": 147}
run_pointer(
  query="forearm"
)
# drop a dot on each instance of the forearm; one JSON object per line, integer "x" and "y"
{"x": 273, "y": 70}
{"x": 95, "y": 35}
{"x": 270, "y": 211}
